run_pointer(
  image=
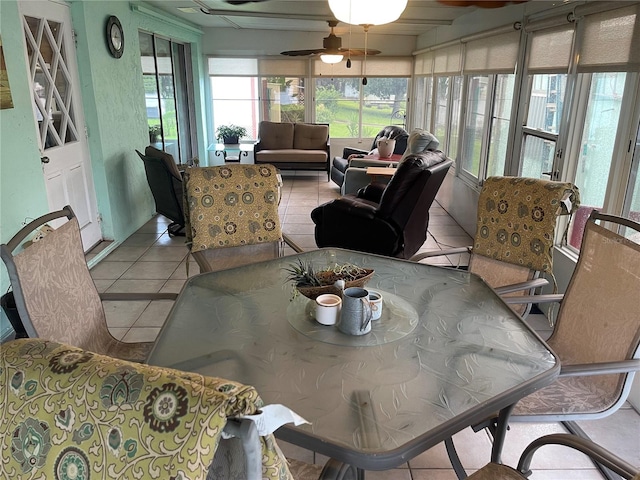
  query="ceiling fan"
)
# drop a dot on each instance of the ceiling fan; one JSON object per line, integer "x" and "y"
{"x": 242, "y": 2}
{"x": 332, "y": 45}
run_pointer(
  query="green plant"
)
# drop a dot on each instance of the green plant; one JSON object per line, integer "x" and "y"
{"x": 304, "y": 275}
{"x": 155, "y": 132}
{"x": 229, "y": 131}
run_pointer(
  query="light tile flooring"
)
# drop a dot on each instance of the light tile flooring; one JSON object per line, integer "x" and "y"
{"x": 151, "y": 261}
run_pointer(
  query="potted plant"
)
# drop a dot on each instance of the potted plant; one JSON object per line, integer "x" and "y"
{"x": 155, "y": 132}
{"x": 311, "y": 282}
{"x": 230, "y": 134}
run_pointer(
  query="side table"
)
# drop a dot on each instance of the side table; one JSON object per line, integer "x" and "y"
{"x": 231, "y": 152}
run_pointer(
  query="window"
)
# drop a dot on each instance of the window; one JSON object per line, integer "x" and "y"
{"x": 500, "y": 124}
{"x": 422, "y": 105}
{"x": 475, "y": 121}
{"x": 354, "y": 110}
{"x": 166, "y": 75}
{"x": 245, "y": 91}
{"x": 540, "y": 133}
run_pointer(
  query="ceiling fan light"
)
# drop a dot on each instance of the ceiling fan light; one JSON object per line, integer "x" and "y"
{"x": 367, "y": 12}
{"x": 331, "y": 58}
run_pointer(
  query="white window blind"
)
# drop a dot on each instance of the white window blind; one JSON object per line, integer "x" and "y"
{"x": 423, "y": 64}
{"x": 610, "y": 41}
{"x": 447, "y": 60}
{"x": 233, "y": 67}
{"x": 296, "y": 67}
{"x": 495, "y": 54}
{"x": 376, "y": 67}
{"x": 550, "y": 49}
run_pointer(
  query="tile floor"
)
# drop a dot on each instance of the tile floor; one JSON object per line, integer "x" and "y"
{"x": 151, "y": 261}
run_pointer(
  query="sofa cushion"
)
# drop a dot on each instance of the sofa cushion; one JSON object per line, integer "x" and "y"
{"x": 310, "y": 137}
{"x": 67, "y": 410}
{"x": 232, "y": 205}
{"x": 275, "y": 135}
{"x": 292, "y": 155}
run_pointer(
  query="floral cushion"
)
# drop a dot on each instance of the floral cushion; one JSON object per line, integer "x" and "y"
{"x": 70, "y": 414}
{"x": 517, "y": 218}
{"x": 232, "y": 205}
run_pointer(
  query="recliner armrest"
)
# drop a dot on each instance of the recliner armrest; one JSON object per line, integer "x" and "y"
{"x": 353, "y": 151}
{"x": 372, "y": 192}
{"x": 353, "y": 207}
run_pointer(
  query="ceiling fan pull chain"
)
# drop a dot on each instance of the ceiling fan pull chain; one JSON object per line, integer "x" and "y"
{"x": 349, "y": 58}
{"x": 366, "y": 46}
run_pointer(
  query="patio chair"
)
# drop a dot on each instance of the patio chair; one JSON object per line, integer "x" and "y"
{"x": 165, "y": 183}
{"x": 515, "y": 234}
{"x": 232, "y": 215}
{"x": 495, "y": 471}
{"x": 596, "y": 336}
{"x": 55, "y": 295}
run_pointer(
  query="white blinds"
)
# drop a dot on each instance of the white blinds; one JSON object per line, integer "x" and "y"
{"x": 447, "y": 60}
{"x": 495, "y": 54}
{"x": 610, "y": 41}
{"x": 299, "y": 67}
{"x": 550, "y": 49}
{"x": 423, "y": 64}
{"x": 233, "y": 67}
{"x": 376, "y": 67}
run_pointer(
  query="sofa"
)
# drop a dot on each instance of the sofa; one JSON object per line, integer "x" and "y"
{"x": 71, "y": 413}
{"x": 293, "y": 146}
{"x": 355, "y": 176}
{"x": 340, "y": 164}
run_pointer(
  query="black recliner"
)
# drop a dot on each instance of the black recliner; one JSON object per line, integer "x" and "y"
{"x": 165, "y": 183}
{"x": 340, "y": 164}
{"x": 390, "y": 219}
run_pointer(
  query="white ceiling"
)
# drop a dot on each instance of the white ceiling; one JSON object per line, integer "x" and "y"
{"x": 419, "y": 17}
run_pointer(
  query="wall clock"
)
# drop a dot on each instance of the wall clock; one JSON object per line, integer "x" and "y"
{"x": 115, "y": 37}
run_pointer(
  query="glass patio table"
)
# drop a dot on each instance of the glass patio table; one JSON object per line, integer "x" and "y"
{"x": 446, "y": 354}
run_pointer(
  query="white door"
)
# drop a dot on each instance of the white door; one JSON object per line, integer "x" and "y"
{"x": 57, "y": 108}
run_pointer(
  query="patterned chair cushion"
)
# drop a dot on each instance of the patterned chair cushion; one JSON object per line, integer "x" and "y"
{"x": 68, "y": 413}
{"x": 517, "y": 217}
{"x": 232, "y": 205}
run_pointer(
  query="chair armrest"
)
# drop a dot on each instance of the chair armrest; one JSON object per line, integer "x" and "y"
{"x": 372, "y": 192}
{"x": 138, "y": 296}
{"x": 354, "y": 208}
{"x": 437, "y": 253}
{"x": 370, "y": 162}
{"x": 589, "y": 448}
{"x": 602, "y": 368}
{"x": 353, "y": 151}
{"x": 534, "y": 299}
{"x": 536, "y": 282}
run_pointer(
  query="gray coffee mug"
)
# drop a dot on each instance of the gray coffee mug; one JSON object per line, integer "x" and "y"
{"x": 355, "y": 316}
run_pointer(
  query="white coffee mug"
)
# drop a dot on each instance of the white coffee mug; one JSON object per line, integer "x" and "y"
{"x": 375, "y": 300}
{"x": 328, "y": 308}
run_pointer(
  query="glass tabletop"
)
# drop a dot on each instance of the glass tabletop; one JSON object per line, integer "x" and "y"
{"x": 373, "y": 405}
{"x": 230, "y": 147}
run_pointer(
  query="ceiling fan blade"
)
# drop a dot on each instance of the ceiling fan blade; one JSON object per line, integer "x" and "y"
{"x": 242, "y": 2}
{"x": 359, "y": 52}
{"x": 302, "y": 53}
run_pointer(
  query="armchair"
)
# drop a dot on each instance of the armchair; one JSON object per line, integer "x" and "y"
{"x": 388, "y": 220}
{"x": 356, "y": 177}
{"x": 340, "y": 164}
{"x": 165, "y": 183}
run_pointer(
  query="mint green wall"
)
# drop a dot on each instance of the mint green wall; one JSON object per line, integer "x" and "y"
{"x": 115, "y": 115}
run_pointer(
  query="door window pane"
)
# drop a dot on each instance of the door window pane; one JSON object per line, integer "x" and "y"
{"x": 598, "y": 139}
{"x": 165, "y": 68}
{"x": 503, "y": 101}
{"x": 338, "y": 104}
{"x": 474, "y": 124}
{"x": 385, "y": 103}
{"x": 544, "y": 112}
{"x": 546, "y": 101}
{"x": 442, "y": 105}
{"x": 454, "y": 123}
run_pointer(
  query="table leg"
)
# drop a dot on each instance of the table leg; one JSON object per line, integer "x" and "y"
{"x": 500, "y": 433}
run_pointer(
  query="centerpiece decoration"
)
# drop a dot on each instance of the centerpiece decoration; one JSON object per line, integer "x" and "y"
{"x": 311, "y": 282}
